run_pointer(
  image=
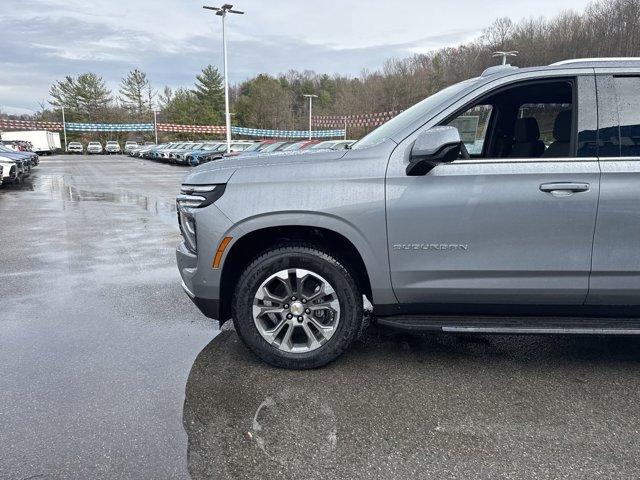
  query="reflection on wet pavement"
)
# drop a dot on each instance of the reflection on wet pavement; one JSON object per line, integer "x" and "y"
{"x": 431, "y": 406}
{"x": 96, "y": 335}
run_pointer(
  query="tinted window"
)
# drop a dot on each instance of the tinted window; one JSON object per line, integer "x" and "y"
{"x": 628, "y": 93}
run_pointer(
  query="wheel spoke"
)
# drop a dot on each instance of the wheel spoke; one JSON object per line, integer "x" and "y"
{"x": 324, "y": 290}
{"x": 325, "y": 331}
{"x": 271, "y": 335}
{"x": 260, "y": 310}
{"x": 286, "y": 344}
{"x": 312, "y": 342}
{"x": 283, "y": 277}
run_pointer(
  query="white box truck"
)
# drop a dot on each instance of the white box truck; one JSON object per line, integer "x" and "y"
{"x": 43, "y": 141}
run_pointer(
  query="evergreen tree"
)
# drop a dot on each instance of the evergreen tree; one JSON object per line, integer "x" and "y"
{"x": 136, "y": 94}
{"x": 85, "y": 96}
{"x": 209, "y": 92}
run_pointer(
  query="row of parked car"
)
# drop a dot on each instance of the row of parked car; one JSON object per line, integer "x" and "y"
{"x": 110, "y": 147}
{"x": 16, "y": 162}
{"x": 194, "y": 153}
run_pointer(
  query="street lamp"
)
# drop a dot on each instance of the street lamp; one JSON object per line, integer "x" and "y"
{"x": 64, "y": 129}
{"x": 504, "y": 55}
{"x": 155, "y": 123}
{"x": 222, "y": 12}
{"x": 310, "y": 97}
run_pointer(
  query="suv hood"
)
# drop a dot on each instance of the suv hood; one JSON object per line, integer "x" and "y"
{"x": 220, "y": 171}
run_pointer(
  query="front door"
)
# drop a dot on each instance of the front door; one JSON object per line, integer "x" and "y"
{"x": 513, "y": 224}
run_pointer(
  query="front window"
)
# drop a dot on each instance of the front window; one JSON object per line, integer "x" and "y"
{"x": 411, "y": 115}
{"x": 527, "y": 120}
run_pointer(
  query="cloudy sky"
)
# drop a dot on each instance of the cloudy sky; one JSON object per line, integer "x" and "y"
{"x": 41, "y": 41}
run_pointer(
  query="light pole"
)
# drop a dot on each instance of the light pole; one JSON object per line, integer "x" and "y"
{"x": 64, "y": 129}
{"x": 504, "y": 55}
{"x": 155, "y": 123}
{"x": 310, "y": 97}
{"x": 222, "y": 12}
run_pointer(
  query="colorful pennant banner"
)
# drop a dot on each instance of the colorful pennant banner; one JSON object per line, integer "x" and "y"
{"x": 6, "y": 124}
{"x": 259, "y": 132}
{"x": 110, "y": 127}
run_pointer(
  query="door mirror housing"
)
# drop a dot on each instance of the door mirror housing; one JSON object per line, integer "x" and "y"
{"x": 433, "y": 147}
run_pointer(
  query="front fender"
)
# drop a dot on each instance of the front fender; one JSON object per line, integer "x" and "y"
{"x": 376, "y": 262}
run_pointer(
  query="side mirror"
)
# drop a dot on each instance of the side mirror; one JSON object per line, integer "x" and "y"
{"x": 433, "y": 147}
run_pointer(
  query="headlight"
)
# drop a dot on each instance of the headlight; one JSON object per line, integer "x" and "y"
{"x": 199, "y": 196}
{"x": 190, "y": 198}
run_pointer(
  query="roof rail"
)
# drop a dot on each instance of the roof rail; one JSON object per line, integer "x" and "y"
{"x": 602, "y": 60}
{"x": 497, "y": 69}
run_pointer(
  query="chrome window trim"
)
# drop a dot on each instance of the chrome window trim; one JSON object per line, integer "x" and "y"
{"x": 527, "y": 160}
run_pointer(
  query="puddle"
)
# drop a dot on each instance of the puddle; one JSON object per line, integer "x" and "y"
{"x": 57, "y": 187}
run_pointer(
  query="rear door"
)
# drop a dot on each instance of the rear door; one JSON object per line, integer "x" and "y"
{"x": 615, "y": 278}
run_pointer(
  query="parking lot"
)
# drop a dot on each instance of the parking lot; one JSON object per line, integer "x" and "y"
{"x": 108, "y": 371}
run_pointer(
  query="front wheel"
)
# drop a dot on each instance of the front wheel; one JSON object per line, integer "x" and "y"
{"x": 297, "y": 307}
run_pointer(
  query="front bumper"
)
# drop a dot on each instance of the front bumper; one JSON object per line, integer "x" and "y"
{"x": 200, "y": 281}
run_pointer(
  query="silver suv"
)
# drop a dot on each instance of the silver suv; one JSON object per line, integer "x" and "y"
{"x": 508, "y": 203}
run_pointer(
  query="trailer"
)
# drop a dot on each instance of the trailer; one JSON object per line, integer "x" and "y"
{"x": 43, "y": 141}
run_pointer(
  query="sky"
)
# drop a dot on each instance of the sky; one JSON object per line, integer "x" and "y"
{"x": 42, "y": 41}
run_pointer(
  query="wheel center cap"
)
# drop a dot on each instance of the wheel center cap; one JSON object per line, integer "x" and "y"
{"x": 297, "y": 308}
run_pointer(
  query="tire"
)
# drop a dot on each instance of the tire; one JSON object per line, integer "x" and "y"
{"x": 343, "y": 320}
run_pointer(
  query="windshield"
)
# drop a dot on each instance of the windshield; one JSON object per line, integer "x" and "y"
{"x": 256, "y": 146}
{"x": 294, "y": 147}
{"x": 211, "y": 147}
{"x": 272, "y": 147}
{"x": 321, "y": 145}
{"x": 409, "y": 116}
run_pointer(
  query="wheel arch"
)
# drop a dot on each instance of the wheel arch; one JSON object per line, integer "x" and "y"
{"x": 255, "y": 241}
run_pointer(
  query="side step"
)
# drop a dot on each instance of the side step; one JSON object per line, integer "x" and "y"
{"x": 514, "y": 325}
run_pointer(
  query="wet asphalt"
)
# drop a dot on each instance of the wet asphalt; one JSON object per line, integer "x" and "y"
{"x": 108, "y": 371}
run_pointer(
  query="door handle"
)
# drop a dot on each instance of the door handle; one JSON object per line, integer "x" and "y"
{"x": 562, "y": 189}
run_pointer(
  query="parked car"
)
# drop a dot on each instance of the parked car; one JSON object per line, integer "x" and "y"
{"x": 22, "y": 166}
{"x": 129, "y": 146}
{"x": 191, "y": 155}
{"x": 25, "y": 161}
{"x": 271, "y": 147}
{"x": 502, "y": 204}
{"x": 237, "y": 147}
{"x": 9, "y": 170}
{"x": 75, "y": 147}
{"x": 94, "y": 148}
{"x": 141, "y": 151}
{"x": 156, "y": 152}
{"x": 112, "y": 146}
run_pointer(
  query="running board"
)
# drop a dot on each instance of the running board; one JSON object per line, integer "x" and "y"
{"x": 514, "y": 325}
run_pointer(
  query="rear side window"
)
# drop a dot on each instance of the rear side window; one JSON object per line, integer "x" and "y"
{"x": 628, "y": 93}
